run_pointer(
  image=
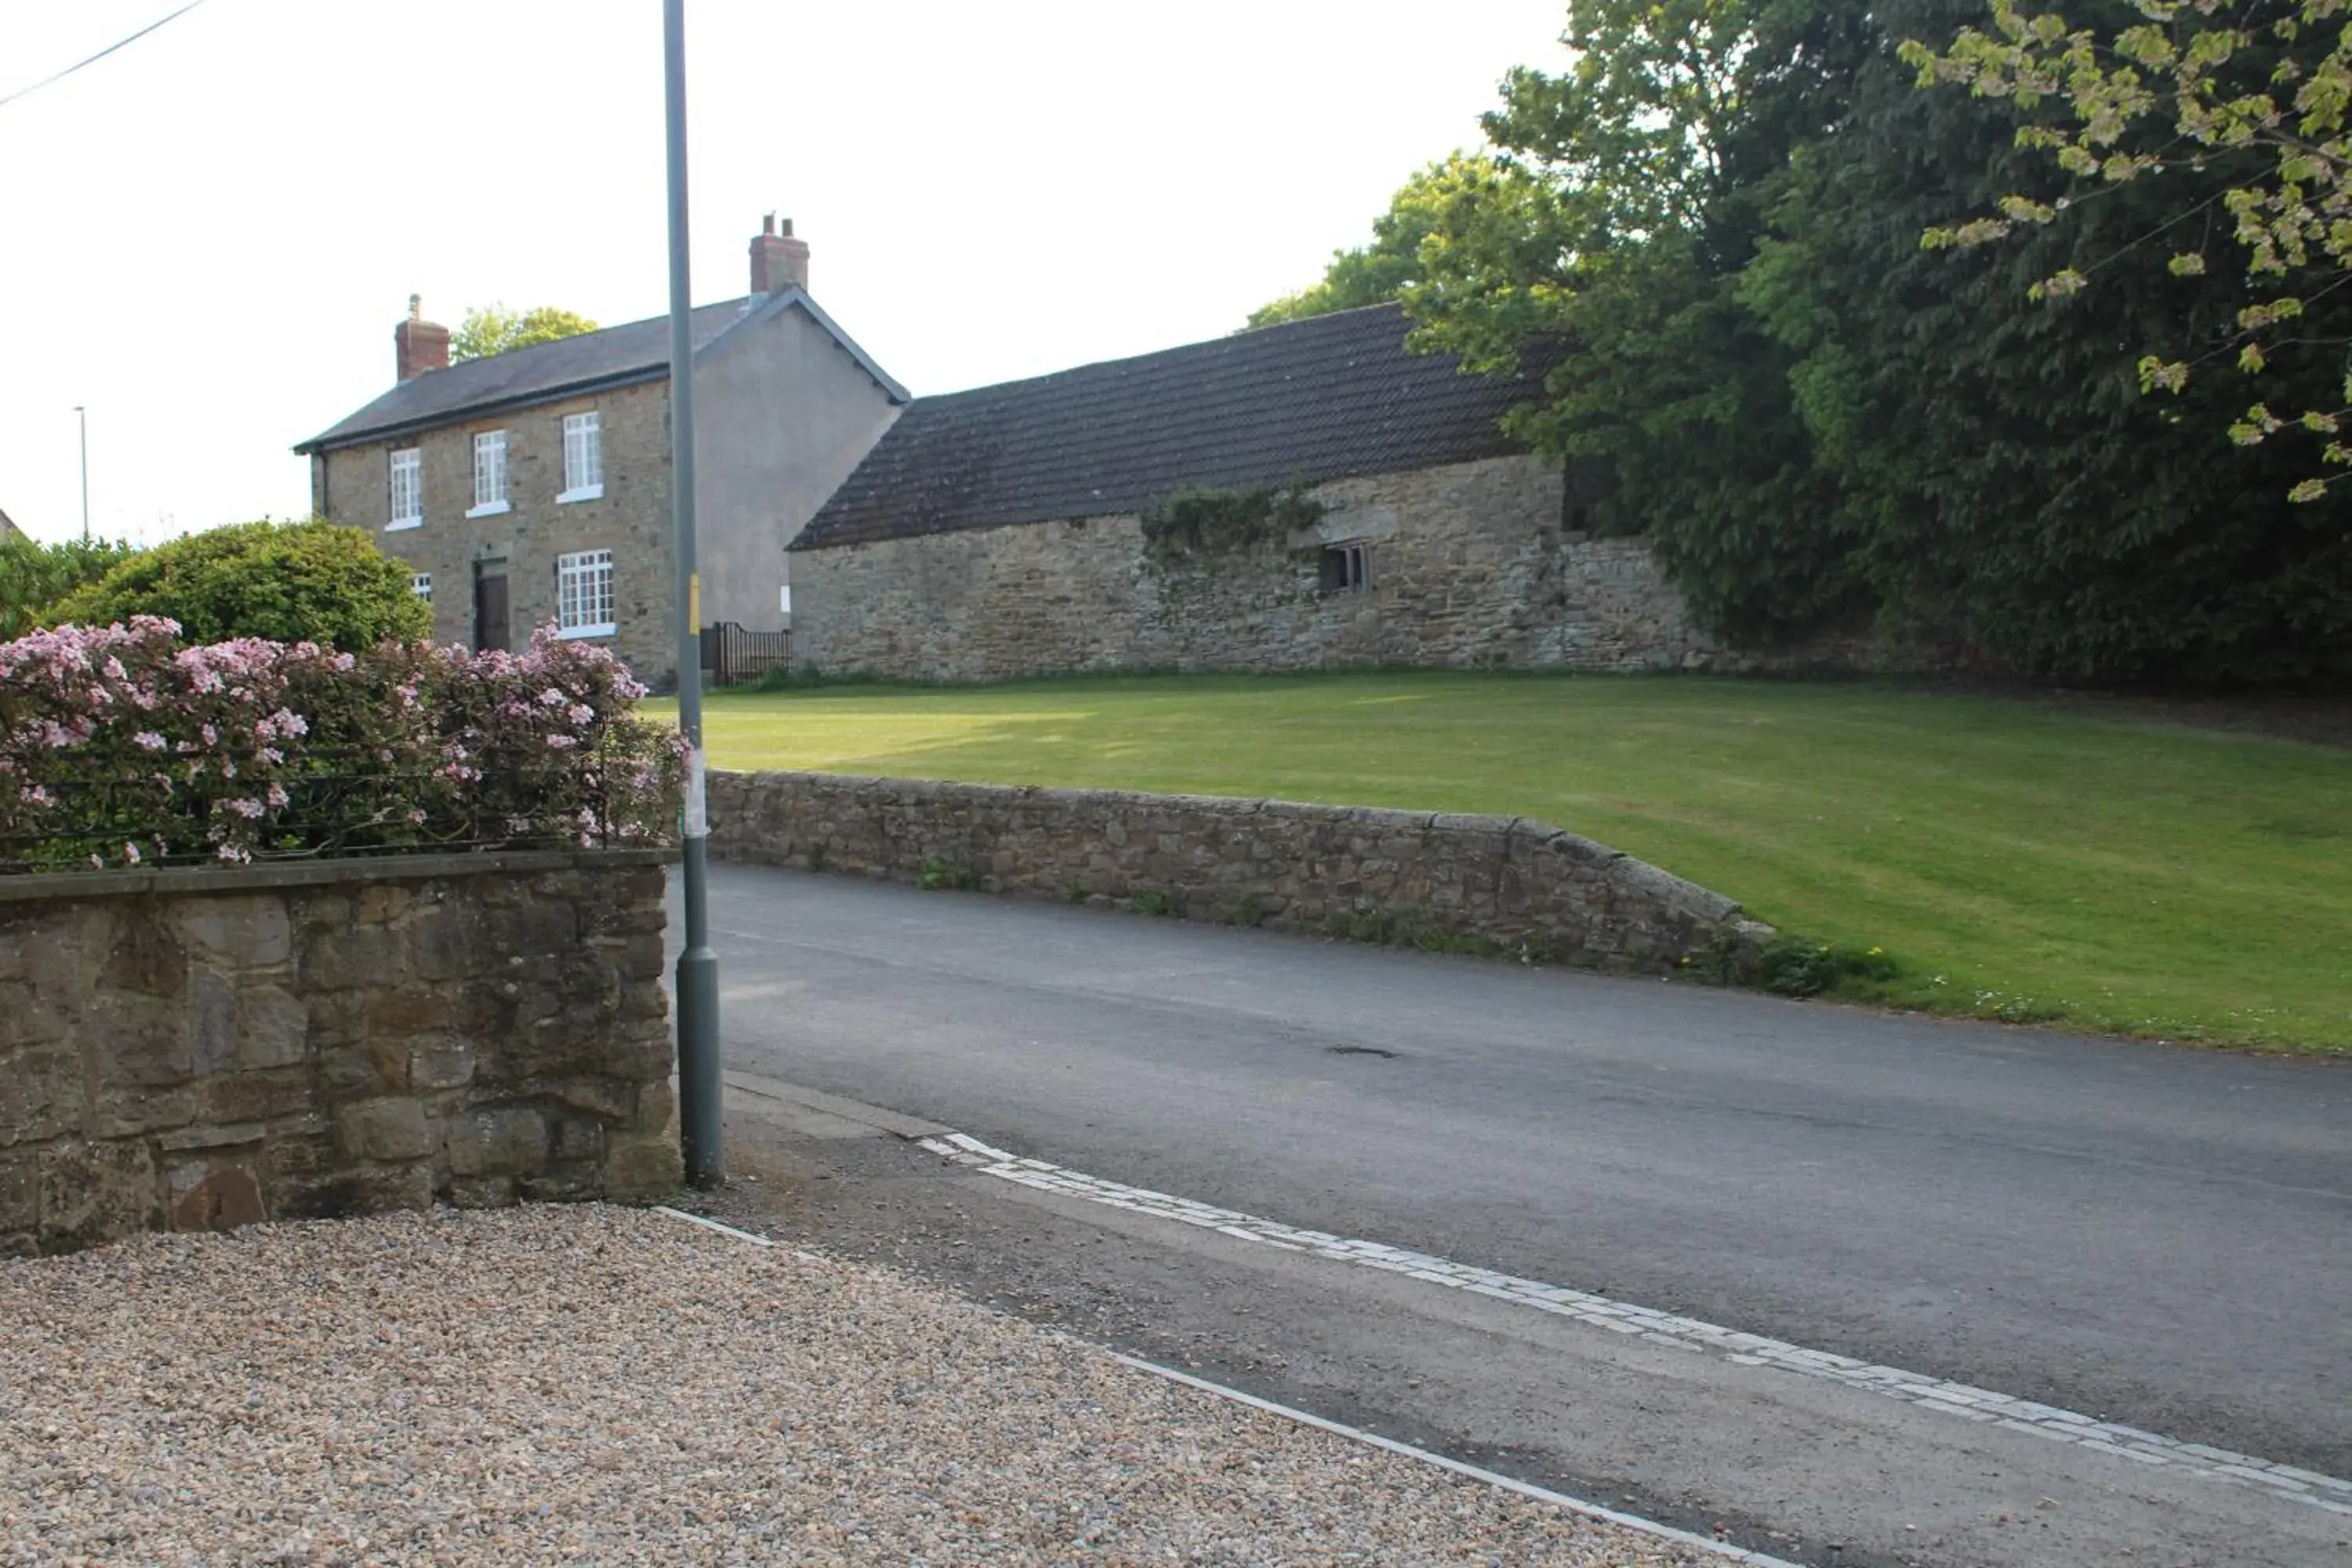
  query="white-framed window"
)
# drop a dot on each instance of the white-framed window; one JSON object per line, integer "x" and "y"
{"x": 490, "y": 472}
{"x": 407, "y": 489}
{"x": 785, "y": 599}
{"x": 420, "y": 584}
{"x": 583, "y": 594}
{"x": 1348, "y": 568}
{"x": 583, "y": 457}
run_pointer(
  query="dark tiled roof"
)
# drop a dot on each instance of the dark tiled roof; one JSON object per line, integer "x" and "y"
{"x": 638, "y": 351}
{"x": 633, "y": 351}
{"x": 1308, "y": 401}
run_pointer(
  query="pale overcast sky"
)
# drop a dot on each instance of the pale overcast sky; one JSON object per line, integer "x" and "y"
{"x": 210, "y": 234}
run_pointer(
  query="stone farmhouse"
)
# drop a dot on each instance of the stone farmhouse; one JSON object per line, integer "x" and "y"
{"x": 8, "y": 529}
{"x": 1010, "y": 529}
{"x": 533, "y": 487}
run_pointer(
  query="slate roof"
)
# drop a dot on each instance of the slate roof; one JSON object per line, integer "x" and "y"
{"x": 545, "y": 373}
{"x": 1301, "y": 402}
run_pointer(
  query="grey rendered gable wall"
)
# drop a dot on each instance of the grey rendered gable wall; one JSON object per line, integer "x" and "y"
{"x": 783, "y": 413}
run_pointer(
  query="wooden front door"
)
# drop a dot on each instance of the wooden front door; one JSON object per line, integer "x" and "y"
{"x": 489, "y": 606}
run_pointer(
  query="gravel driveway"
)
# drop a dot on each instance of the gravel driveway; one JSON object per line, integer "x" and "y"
{"x": 593, "y": 1384}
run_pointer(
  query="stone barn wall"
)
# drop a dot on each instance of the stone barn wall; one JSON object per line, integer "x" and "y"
{"x": 1473, "y": 566}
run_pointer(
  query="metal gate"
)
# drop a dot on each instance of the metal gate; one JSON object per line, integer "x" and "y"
{"x": 730, "y": 655}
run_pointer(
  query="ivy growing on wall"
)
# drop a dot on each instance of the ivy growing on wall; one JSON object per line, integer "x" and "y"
{"x": 1198, "y": 524}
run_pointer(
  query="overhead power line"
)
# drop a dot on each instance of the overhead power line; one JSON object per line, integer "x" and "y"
{"x": 101, "y": 54}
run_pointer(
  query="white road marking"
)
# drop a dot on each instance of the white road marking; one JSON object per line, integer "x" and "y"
{"x": 1959, "y": 1400}
{"x": 713, "y": 1225}
{"x": 1492, "y": 1478}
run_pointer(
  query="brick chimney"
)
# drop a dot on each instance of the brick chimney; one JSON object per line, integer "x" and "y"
{"x": 419, "y": 345}
{"x": 777, "y": 260}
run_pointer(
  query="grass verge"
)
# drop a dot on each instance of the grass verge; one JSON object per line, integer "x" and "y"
{"x": 2016, "y": 861}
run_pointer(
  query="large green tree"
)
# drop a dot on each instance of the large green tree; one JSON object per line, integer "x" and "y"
{"x": 494, "y": 328}
{"x": 2238, "y": 110}
{"x": 1708, "y": 228}
{"x": 2010, "y": 483}
{"x": 1376, "y": 273}
{"x": 1629, "y": 193}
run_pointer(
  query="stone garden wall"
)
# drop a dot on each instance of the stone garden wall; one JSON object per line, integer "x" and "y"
{"x": 199, "y": 1049}
{"x": 1486, "y": 882}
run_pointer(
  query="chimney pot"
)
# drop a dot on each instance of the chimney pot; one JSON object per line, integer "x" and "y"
{"x": 777, "y": 260}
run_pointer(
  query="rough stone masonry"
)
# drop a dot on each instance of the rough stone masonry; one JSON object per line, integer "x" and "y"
{"x": 1472, "y": 566}
{"x": 1501, "y": 881}
{"x": 193, "y": 1049}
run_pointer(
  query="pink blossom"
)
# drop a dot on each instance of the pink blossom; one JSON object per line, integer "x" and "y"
{"x": 150, "y": 741}
{"x": 277, "y": 797}
{"x": 130, "y": 854}
{"x": 248, "y": 809}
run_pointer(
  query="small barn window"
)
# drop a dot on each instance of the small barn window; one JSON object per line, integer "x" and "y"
{"x": 1348, "y": 568}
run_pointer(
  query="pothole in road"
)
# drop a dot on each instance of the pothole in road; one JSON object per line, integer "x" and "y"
{"x": 1362, "y": 1052}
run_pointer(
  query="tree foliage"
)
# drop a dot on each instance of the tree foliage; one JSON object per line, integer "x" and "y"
{"x": 289, "y": 582}
{"x": 494, "y": 329}
{"x": 2012, "y": 487}
{"x": 1376, "y": 273}
{"x": 2238, "y": 108}
{"x": 34, "y": 576}
{"x": 1628, "y": 194}
{"x": 1707, "y": 230}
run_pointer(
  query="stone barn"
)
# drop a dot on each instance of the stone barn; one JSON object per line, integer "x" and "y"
{"x": 1297, "y": 496}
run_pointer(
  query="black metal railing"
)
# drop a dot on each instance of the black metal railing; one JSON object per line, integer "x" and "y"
{"x": 732, "y": 654}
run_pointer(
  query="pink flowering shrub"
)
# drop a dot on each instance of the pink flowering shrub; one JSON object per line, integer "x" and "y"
{"x": 122, "y": 745}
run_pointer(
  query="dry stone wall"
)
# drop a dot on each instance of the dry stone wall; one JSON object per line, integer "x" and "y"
{"x": 191, "y": 1049}
{"x": 1452, "y": 881}
{"x": 1473, "y": 566}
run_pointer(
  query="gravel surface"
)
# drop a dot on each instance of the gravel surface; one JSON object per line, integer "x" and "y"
{"x": 593, "y": 1384}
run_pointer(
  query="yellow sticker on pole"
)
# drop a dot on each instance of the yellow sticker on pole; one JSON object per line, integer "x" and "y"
{"x": 694, "y": 601}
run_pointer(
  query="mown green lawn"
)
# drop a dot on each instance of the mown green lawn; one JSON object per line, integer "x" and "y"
{"x": 2019, "y": 860}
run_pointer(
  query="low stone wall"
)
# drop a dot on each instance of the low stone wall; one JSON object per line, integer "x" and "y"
{"x": 1500, "y": 882}
{"x": 191, "y": 1049}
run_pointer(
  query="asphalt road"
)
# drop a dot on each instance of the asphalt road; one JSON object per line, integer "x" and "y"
{"x": 2154, "y": 1236}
